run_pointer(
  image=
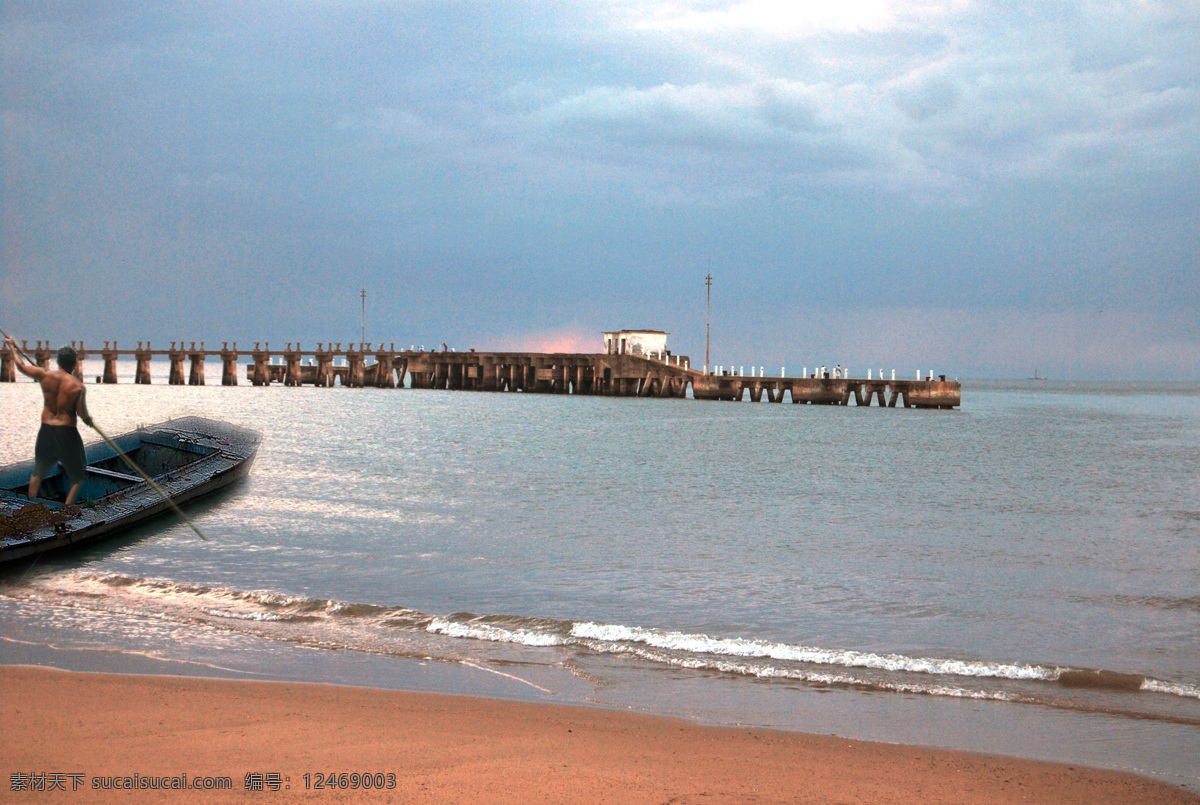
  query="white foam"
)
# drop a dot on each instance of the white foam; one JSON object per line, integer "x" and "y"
{"x": 1173, "y": 688}
{"x": 247, "y": 616}
{"x": 486, "y": 631}
{"x": 740, "y": 647}
{"x": 815, "y": 677}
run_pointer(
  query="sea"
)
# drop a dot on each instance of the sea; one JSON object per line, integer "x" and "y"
{"x": 1019, "y": 576}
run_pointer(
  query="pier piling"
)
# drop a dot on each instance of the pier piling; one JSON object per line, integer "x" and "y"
{"x": 110, "y": 362}
{"x": 141, "y": 375}
{"x": 229, "y": 364}
{"x": 196, "y": 360}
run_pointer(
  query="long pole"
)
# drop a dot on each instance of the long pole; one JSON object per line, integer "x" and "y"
{"x": 364, "y": 315}
{"x": 127, "y": 459}
{"x": 707, "y": 318}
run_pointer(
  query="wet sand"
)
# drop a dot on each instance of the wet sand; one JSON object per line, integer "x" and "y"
{"x": 460, "y": 749}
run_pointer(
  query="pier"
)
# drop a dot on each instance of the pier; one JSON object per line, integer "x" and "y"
{"x": 369, "y": 365}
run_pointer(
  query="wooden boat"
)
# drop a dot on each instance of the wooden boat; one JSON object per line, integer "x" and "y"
{"x": 188, "y": 458}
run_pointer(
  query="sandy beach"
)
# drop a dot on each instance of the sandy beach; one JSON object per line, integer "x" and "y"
{"x": 85, "y": 730}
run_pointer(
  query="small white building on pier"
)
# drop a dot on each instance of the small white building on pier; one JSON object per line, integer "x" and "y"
{"x": 635, "y": 342}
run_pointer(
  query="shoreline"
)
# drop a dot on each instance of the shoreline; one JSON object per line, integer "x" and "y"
{"x": 448, "y": 748}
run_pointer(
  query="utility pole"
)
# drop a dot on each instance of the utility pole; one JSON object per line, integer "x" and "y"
{"x": 364, "y": 316}
{"x": 708, "y": 316}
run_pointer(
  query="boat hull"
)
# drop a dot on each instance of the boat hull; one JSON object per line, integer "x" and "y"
{"x": 189, "y": 458}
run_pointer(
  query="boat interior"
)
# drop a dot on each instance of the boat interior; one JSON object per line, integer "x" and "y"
{"x": 157, "y": 453}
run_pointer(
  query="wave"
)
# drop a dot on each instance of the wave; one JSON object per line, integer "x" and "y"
{"x": 740, "y": 647}
{"x": 701, "y": 651}
{"x": 398, "y": 630}
{"x": 496, "y": 634}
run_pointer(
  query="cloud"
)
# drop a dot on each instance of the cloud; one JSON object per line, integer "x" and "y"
{"x": 786, "y": 17}
{"x": 484, "y": 168}
{"x": 747, "y": 116}
{"x": 921, "y": 98}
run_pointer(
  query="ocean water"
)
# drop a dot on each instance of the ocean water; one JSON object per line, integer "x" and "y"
{"x": 1019, "y": 576}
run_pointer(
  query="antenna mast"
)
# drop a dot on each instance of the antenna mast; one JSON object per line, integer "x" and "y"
{"x": 364, "y": 316}
{"x": 708, "y": 315}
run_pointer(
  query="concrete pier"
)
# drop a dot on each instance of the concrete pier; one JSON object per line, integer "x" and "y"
{"x": 110, "y": 362}
{"x": 196, "y": 362}
{"x": 291, "y": 364}
{"x": 939, "y": 393}
{"x": 41, "y": 355}
{"x": 361, "y": 365}
{"x": 259, "y": 373}
{"x": 229, "y": 375}
{"x": 142, "y": 373}
{"x": 80, "y": 355}
{"x": 176, "y": 356}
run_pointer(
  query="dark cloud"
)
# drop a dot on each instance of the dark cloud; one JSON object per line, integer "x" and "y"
{"x": 493, "y": 171}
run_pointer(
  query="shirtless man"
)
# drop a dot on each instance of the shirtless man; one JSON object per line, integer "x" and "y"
{"x": 58, "y": 440}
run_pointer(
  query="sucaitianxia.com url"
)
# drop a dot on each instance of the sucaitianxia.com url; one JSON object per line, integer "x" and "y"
{"x": 74, "y": 781}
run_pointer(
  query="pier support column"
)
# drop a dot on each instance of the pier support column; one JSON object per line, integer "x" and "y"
{"x": 196, "y": 357}
{"x": 291, "y": 360}
{"x": 176, "y": 355}
{"x": 354, "y": 376}
{"x": 385, "y": 377}
{"x": 262, "y": 372}
{"x": 324, "y": 376}
{"x": 229, "y": 364}
{"x": 110, "y": 363}
{"x": 41, "y": 355}
{"x": 80, "y": 354}
{"x": 8, "y": 367}
{"x": 141, "y": 375}
{"x": 400, "y": 367}
{"x": 487, "y": 375}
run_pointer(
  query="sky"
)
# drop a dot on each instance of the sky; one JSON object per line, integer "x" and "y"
{"x": 980, "y": 189}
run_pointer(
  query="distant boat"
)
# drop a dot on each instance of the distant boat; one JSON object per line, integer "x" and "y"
{"x": 188, "y": 458}
{"x": 1035, "y": 376}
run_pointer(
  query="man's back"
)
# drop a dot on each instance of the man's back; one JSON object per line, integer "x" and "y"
{"x": 60, "y": 391}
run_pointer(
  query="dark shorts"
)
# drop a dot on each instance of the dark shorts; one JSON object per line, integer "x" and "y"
{"x": 60, "y": 444}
